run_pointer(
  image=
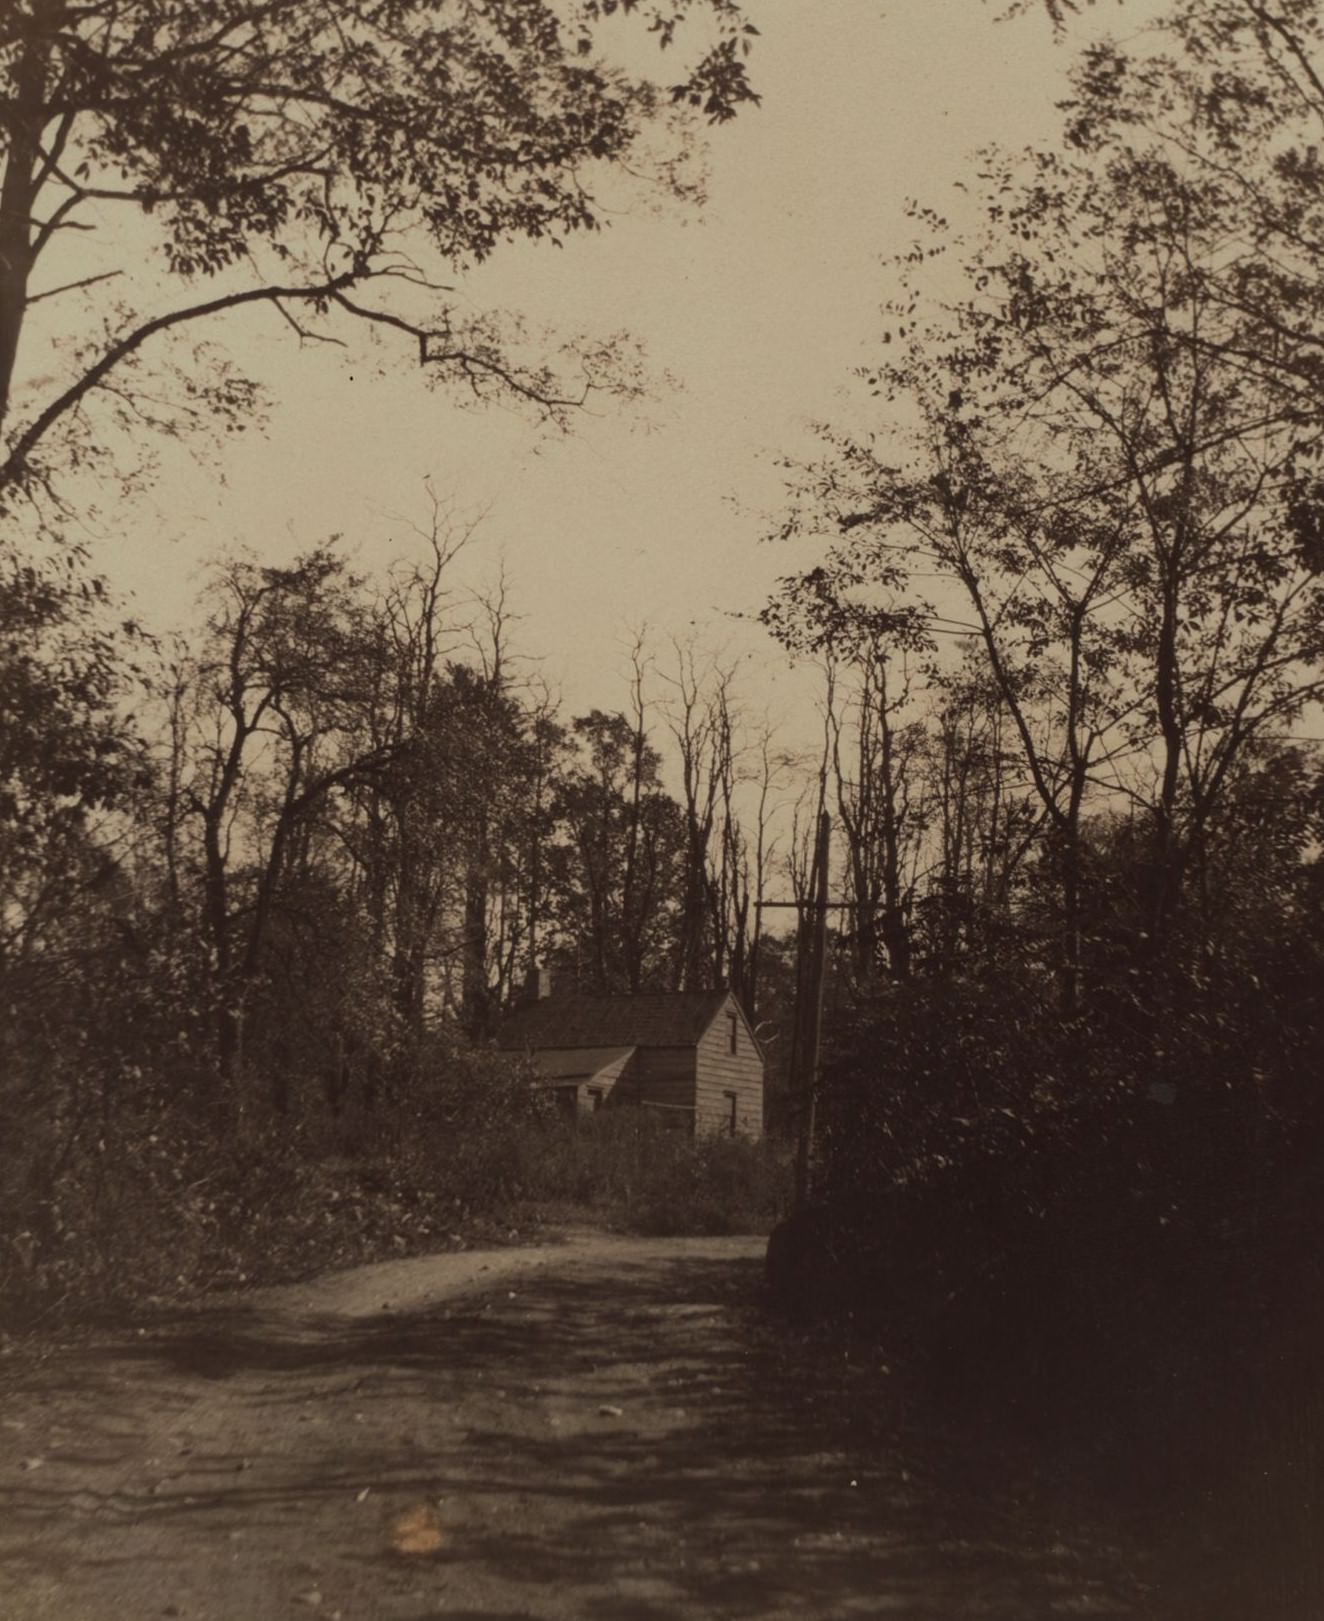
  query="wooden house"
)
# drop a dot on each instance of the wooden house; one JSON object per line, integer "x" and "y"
{"x": 690, "y": 1056}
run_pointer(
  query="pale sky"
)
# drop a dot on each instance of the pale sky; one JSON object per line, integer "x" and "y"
{"x": 760, "y": 308}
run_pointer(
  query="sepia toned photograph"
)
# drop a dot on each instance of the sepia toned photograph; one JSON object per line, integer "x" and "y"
{"x": 661, "y": 810}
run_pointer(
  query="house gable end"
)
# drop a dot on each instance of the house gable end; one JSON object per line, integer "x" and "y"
{"x": 731, "y": 1004}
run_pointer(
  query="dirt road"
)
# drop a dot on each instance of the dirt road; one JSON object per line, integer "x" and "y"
{"x": 609, "y": 1430}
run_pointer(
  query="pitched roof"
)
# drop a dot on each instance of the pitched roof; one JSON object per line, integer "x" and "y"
{"x": 652, "y": 1019}
{"x": 581, "y": 1063}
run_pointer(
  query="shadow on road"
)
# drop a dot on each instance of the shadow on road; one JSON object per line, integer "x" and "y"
{"x": 609, "y": 1442}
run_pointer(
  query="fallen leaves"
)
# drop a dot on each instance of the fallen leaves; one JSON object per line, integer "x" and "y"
{"x": 418, "y": 1532}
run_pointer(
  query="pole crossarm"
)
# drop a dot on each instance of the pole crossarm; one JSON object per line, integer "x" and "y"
{"x": 807, "y": 906}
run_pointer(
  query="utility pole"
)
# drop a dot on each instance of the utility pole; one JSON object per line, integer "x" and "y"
{"x": 811, "y": 975}
{"x": 809, "y": 1015}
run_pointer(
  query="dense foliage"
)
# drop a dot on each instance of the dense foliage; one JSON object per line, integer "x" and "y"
{"x": 261, "y": 893}
{"x": 332, "y": 166}
{"x": 1070, "y": 609}
{"x": 264, "y": 896}
{"x": 264, "y": 926}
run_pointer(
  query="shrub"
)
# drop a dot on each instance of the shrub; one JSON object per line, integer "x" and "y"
{"x": 626, "y": 1165}
{"x": 1102, "y": 1232}
{"x": 169, "y": 1189}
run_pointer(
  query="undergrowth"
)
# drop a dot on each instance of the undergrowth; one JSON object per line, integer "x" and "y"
{"x": 171, "y": 1202}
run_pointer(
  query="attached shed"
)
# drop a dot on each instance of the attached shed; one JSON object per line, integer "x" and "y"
{"x": 583, "y": 1078}
{"x": 691, "y": 1056}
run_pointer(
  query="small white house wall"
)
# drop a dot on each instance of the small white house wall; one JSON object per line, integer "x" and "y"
{"x": 719, "y": 1073}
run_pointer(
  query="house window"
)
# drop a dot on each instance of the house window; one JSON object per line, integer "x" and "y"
{"x": 595, "y": 1098}
{"x": 733, "y": 1112}
{"x": 733, "y": 1032}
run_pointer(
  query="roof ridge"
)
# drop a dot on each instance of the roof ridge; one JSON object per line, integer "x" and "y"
{"x": 625, "y": 996}
{"x": 606, "y": 1018}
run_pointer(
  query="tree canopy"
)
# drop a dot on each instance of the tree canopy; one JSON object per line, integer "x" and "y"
{"x": 1097, "y": 462}
{"x": 330, "y": 162}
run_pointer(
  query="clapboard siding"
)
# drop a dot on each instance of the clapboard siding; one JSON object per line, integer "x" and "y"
{"x": 611, "y": 1084}
{"x": 719, "y": 1072}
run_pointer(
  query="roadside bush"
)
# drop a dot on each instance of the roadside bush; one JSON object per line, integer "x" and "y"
{"x": 1101, "y": 1235}
{"x": 156, "y": 1181}
{"x": 166, "y": 1188}
{"x": 626, "y": 1167}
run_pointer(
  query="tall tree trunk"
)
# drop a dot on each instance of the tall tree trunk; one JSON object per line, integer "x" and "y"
{"x": 406, "y": 954}
{"x": 475, "y": 1001}
{"x": 216, "y": 906}
{"x": 24, "y": 118}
